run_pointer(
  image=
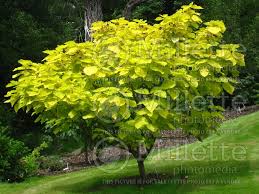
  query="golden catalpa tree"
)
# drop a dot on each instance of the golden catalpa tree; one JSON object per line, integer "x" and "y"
{"x": 133, "y": 80}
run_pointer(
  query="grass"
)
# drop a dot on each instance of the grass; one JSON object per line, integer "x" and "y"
{"x": 225, "y": 163}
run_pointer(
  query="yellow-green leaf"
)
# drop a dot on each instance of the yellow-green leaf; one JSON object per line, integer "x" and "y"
{"x": 159, "y": 93}
{"x": 89, "y": 116}
{"x": 214, "y": 30}
{"x": 150, "y": 105}
{"x": 196, "y": 18}
{"x": 114, "y": 49}
{"x": 173, "y": 93}
{"x": 228, "y": 88}
{"x": 142, "y": 91}
{"x": 141, "y": 122}
{"x": 168, "y": 84}
{"x": 204, "y": 72}
{"x": 140, "y": 72}
{"x": 90, "y": 70}
{"x": 151, "y": 127}
{"x": 72, "y": 114}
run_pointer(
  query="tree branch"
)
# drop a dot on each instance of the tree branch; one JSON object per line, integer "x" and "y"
{"x": 93, "y": 13}
{"x": 129, "y": 7}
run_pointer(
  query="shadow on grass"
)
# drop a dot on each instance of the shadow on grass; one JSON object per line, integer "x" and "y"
{"x": 170, "y": 179}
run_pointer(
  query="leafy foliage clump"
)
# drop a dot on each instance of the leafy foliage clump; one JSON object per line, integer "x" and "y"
{"x": 12, "y": 152}
{"x": 16, "y": 160}
{"x": 51, "y": 163}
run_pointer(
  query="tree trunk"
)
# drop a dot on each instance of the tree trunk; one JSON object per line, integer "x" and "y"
{"x": 86, "y": 151}
{"x": 130, "y": 6}
{"x": 86, "y": 157}
{"x": 141, "y": 168}
{"x": 88, "y": 143}
{"x": 93, "y": 13}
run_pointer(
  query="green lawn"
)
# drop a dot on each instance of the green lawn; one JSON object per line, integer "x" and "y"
{"x": 225, "y": 163}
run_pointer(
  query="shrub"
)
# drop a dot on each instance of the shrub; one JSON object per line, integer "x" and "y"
{"x": 52, "y": 163}
{"x": 11, "y": 154}
{"x": 31, "y": 162}
{"x": 16, "y": 161}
